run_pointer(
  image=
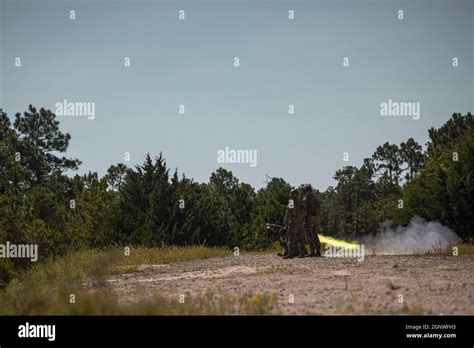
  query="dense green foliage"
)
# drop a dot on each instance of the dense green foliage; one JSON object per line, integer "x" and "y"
{"x": 147, "y": 205}
{"x": 398, "y": 182}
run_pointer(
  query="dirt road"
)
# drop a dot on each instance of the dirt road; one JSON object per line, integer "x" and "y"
{"x": 377, "y": 285}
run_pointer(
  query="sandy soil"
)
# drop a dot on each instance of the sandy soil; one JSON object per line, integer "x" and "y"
{"x": 377, "y": 285}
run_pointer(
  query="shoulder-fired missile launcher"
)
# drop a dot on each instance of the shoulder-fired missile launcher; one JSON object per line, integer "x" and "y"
{"x": 279, "y": 234}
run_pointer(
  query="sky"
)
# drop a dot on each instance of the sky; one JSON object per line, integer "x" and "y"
{"x": 283, "y": 61}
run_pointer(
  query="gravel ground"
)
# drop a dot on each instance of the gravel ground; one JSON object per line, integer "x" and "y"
{"x": 319, "y": 286}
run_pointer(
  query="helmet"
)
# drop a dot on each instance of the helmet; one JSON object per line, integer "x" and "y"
{"x": 294, "y": 193}
{"x": 307, "y": 188}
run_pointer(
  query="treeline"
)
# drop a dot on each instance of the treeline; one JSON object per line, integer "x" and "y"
{"x": 400, "y": 181}
{"x": 153, "y": 206}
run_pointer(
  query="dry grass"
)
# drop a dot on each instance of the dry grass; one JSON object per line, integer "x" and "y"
{"x": 104, "y": 302}
{"x": 145, "y": 256}
{"x": 47, "y": 287}
{"x": 462, "y": 250}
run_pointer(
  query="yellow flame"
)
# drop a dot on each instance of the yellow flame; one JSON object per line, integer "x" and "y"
{"x": 337, "y": 242}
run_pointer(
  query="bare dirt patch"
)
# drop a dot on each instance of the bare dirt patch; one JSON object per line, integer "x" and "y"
{"x": 378, "y": 285}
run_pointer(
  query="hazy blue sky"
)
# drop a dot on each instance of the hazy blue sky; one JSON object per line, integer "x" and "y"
{"x": 282, "y": 62}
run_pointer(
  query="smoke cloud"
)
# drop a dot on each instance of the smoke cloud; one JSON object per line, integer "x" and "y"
{"x": 418, "y": 237}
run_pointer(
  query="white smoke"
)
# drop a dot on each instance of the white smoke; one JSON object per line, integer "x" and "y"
{"x": 418, "y": 237}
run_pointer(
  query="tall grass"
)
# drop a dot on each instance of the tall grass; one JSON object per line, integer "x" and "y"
{"x": 47, "y": 288}
{"x": 464, "y": 249}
